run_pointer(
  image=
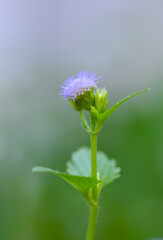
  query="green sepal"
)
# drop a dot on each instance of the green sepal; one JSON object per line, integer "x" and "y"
{"x": 103, "y": 117}
{"x": 75, "y": 105}
{"x": 81, "y": 183}
{"x": 84, "y": 101}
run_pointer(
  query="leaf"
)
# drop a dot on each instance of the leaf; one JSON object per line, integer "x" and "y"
{"x": 107, "y": 168}
{"x": 94, "y": 113}
{"x": 81, "y": 165}
{"x": 79, "y": 172}
{"x": 82, "y": 183}
{"x": 107, "y": 113}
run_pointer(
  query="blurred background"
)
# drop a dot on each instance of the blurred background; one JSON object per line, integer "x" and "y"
{"x": 41, "y": 44}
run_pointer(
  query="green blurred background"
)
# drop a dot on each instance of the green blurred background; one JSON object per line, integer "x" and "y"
{"x": 42, "y": 43}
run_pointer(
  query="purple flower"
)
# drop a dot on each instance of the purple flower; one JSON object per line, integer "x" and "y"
{"x": 75, "y": 86}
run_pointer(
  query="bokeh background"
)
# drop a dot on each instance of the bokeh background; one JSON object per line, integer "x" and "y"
{"x": 41, "y": 44}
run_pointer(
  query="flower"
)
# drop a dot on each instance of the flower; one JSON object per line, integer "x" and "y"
{"x": 73, "y": 87}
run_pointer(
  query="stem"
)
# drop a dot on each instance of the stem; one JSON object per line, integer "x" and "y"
{"x": 92, "y": 223}
{"x": 94, "y": 209}
{"x": 84, "y": 121}
{"x": 94, "y": 162}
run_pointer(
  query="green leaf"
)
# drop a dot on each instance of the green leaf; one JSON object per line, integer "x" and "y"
{"x": 81, "y": 165}
{"x": 79, "y": 172}
{"x": 107, "y": 113}
{"x": 107, "y": 168}
{"x": 82, "y": 183}
{"x": 94, "y": 113}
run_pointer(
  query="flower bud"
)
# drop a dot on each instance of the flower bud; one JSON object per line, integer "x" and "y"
{"x": 101, "y": 101}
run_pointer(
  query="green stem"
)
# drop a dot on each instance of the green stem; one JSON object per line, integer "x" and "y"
{"x": 94, "y": 209}
{"x": 92, "y": 223}
{"x": 84, "y": 121}
{"x": 94, "y": 162}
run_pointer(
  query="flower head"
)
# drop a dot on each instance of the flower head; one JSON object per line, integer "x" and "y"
{"x": 73, "y": 87}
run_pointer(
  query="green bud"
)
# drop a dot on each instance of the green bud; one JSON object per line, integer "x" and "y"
{"x": 101, "y": 101}
{"x": 84, "y": 101}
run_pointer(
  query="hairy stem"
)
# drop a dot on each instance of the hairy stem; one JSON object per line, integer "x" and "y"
{"x": 94, "y": 209}
{"x": 94, "y": 162}
{"x": 92, "y": 223}
{"x": 84, "y": 121}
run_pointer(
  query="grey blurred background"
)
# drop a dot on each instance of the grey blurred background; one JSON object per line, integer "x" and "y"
{"x": 41, "y": 44}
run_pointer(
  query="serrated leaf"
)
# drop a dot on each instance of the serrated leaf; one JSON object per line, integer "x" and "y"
{"x": 82, "y": 183}
{"x": 108, "y": 113}
{"x": 81, "y": 165}
{"x": 107, "y": 168}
